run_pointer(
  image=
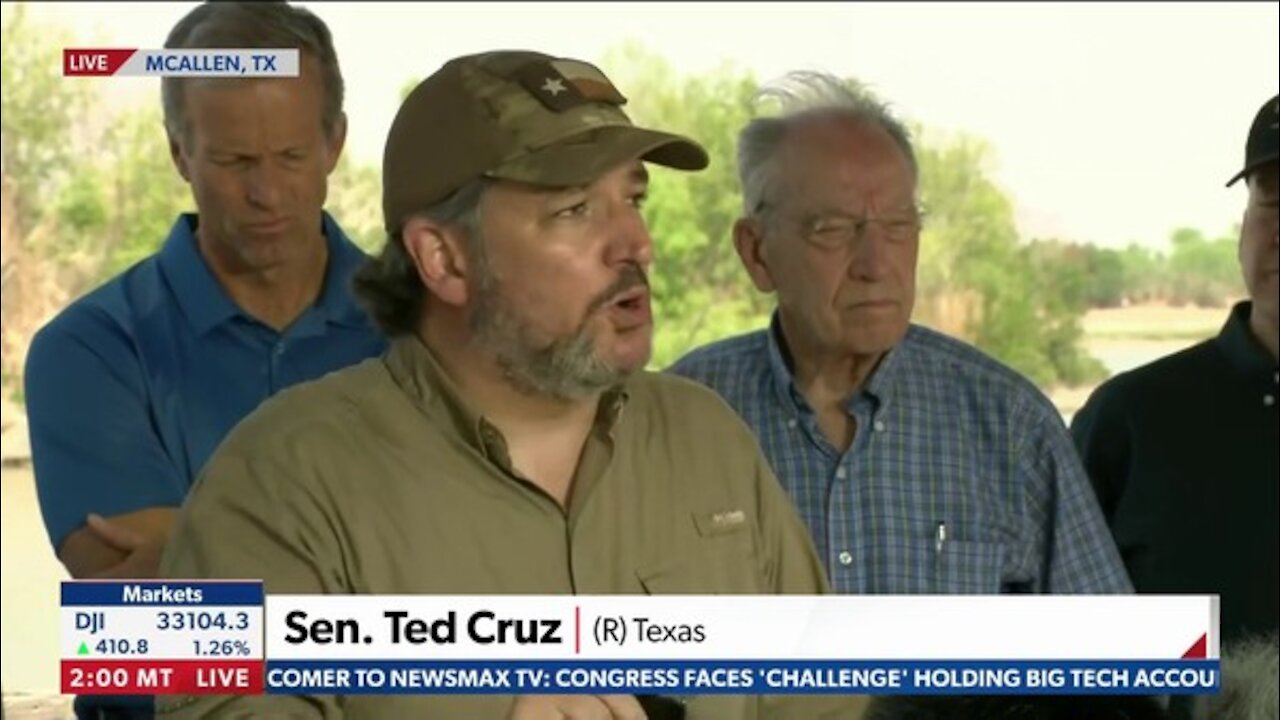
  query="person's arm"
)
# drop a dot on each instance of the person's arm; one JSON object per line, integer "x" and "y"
{"x": 1101, "y": 434}
{"x": 1077, "y": 551}
{"x": 122, "y": 546}
{"x": 95, "y": 450}
{"x": 792, "y": 566}
{"x": 256, "y": 515}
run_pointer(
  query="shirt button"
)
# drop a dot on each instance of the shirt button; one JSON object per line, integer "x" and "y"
{"x": 879, "y": 426}
{"x": 840, "y": 473}
{"x": 846, "y": 558}
{"x": 1268, "y": 400}
{"x": 279, "y": 349}
{"x": 791, "y": 423}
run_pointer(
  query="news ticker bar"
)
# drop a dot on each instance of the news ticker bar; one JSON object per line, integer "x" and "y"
{"x": 134, "y": 62}
{"x": 706, "y": 677}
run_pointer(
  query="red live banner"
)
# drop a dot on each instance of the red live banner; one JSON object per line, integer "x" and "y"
{"x": 162, "y": 677}
{"x": 93, "y": 62}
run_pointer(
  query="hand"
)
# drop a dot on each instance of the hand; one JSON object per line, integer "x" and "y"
{"x": 577, "y": 707}
{"x": 141, "y": 554}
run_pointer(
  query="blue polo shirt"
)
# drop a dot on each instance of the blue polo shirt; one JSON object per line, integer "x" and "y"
{"x": 133, "y": 386}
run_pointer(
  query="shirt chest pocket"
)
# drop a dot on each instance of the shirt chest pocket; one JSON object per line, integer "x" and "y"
{"x": 714, "y": 554}
{"x": 973, "y": 567}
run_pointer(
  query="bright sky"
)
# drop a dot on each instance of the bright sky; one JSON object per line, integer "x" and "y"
{"x": 1110, "y": 122}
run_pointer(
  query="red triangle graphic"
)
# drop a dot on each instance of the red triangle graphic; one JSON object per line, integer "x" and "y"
{"x": 1199, "y": 650}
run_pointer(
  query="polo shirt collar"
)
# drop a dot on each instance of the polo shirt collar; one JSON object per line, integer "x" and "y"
{"x": 1237, "y": 342}
{"x": 198, "y": 293}
{"x": 337, "y": 299}
{"x": 206, "y": 305}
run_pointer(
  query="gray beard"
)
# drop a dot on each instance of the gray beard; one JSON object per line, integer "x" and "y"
{"x": 567, "y": 369}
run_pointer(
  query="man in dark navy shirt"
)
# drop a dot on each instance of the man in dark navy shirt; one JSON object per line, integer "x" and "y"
{"x": 1182, "y": 452}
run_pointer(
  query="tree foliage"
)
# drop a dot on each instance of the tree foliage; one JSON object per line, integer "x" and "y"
{"x": 1202, "y": 271}
{"x": 41, "y": 113}
{"x": 1195, "y": 271}
{"x": 355, "y": 201}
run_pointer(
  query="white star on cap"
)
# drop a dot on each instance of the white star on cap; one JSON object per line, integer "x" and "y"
{"x": 554, "y": 86}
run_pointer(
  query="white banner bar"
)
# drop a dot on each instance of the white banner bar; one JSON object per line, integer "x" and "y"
{"x": 869, "y": 627}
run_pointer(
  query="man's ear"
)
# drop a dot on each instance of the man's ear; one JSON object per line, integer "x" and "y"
{"x": 748, "y": 240}
{"x": 438, "y": 256}
{"x": 334, "y": 143}
{"x": 175, "y": 154}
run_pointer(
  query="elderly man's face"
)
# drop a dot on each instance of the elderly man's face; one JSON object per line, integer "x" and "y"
{"x": 562, "y": 296}
{"x": 1259, "y": 233}
{"x": 841, "y": 244}
{"x": 257, "y": 157}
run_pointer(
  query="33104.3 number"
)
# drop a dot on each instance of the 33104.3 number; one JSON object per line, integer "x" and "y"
{"x": 201, "y": 620}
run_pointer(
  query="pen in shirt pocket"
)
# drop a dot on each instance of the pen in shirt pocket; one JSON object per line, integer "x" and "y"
{"x": 939, "y": 544}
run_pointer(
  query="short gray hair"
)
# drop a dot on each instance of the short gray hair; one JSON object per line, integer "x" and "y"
{"x": 388, "y": 284}
{"x": 801, "y": 95}
{"x": 253, "y": 25}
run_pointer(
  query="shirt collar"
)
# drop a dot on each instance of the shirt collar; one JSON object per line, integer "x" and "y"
{"x": 337, "y": 300}
{"x": 1241, "y": 348}
{"x": 780, "y": 365}
{"x": 191, "y": 281}
{"x": 417, "y": 371}
{"x": 878, "y": 384}
{"x": 206, "y": 305}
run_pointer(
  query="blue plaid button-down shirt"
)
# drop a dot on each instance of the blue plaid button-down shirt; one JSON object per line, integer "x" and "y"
{"x": 961, "y": 478}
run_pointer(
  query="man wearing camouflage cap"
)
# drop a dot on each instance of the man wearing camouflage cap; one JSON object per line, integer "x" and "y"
{"x": 509, "y": 441}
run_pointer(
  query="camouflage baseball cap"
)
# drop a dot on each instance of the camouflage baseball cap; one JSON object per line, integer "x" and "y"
{"x": 515, "y": 115}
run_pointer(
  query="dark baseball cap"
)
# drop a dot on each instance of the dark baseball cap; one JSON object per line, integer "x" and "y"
{"x": 1263, "y": 145}
{"x": 515, "y": 115}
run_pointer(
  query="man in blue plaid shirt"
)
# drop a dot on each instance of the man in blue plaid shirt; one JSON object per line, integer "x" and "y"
{"x": 920, "y": 464}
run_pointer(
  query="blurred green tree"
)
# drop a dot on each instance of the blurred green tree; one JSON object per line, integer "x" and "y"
{"x": 1203, "y": 272}
{"x": 41, "y": 128}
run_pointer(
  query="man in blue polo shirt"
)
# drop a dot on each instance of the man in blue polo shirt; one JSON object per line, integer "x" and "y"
{"x": 1182, "y": 452}
{"x": 132, "y": 387}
